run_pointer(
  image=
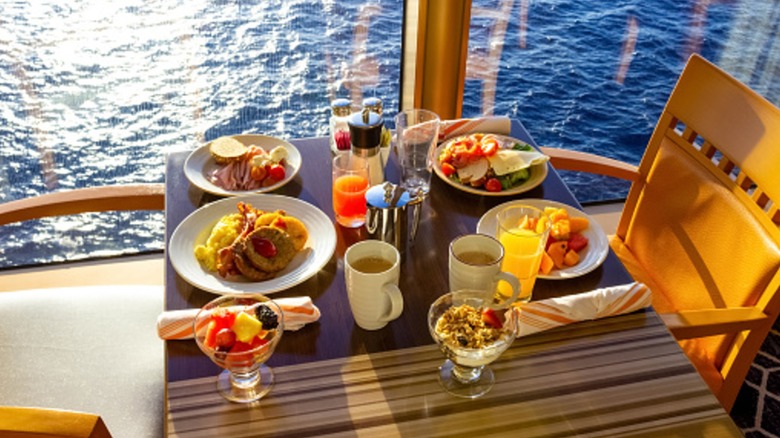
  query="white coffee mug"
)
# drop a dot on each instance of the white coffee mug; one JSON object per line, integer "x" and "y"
{"x": 475, "y": 263}
{"x": 372, "y": 269}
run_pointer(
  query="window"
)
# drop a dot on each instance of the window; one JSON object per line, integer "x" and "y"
{"x": 594, "y": 76}
{"x": 96, "y": 93}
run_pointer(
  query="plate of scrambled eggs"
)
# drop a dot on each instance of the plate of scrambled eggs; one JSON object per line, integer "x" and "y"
{"x": 209, "y": 228}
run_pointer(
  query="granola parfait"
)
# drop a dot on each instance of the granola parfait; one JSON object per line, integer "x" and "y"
{"x": 471, "y": 334}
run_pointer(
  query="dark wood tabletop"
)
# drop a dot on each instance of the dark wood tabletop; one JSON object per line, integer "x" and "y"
{"x": 447, "y": 213}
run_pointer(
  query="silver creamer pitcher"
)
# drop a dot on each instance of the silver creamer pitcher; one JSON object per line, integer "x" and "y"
{"x": 387, "y": 214}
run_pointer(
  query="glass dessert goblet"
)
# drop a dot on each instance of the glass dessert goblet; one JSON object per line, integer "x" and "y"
{"x": 471, "y": 335}
{"x": 239, "y": 333}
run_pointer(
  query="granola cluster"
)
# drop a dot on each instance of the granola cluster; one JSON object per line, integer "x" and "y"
{"x": 463, "y": 326}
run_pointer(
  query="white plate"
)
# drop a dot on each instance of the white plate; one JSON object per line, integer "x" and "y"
{"x": 590, "y": 258}
{"x": 538, "y": 174}
{"x": 195, "y": 229}
{"x": 200, "y": 163}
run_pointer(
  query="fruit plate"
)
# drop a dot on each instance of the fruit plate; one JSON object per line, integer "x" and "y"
{"x": 538, "y": 173}
{"x": 196, "y": 228}
{"x": 199, "y": 164}
{"x": 591, "y": 257}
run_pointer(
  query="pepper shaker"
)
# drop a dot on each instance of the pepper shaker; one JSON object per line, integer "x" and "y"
{"x": 365, "y": 132}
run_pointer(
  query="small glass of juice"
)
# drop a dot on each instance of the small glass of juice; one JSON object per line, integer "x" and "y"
{"x": 523, "y": 231}
{"x": 350, "y": 182}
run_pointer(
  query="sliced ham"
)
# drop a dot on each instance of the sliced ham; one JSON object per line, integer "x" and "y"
{"x": 237, "y": 175}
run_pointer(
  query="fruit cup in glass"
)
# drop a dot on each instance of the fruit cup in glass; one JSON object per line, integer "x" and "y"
{"x": 472, "y": 334}
{"x": 523, "y": 231}
{"x": 350, "y": 183}
{"x": 239, "y": 333}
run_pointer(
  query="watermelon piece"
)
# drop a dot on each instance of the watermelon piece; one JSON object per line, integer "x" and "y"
{"x": 577, "y": 242}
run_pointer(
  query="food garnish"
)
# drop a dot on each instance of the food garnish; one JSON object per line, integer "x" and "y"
{"x": 252, "y": 243}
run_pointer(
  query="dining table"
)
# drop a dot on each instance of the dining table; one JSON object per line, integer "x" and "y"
{"x": 619, "y": 376}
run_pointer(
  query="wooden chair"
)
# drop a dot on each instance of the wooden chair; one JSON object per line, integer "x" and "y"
{"x": 16, "y": 422}
{"x": 92, "y": 199}
{"x": 85, "y": 348}
{"x": 700, "y": 224}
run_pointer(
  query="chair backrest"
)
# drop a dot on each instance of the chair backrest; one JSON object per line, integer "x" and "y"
{"x": 25, "y": 422}
{"x": 702, "y": 218}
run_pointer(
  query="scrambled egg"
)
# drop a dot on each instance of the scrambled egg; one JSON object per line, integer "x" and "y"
{"x": 222, "y": 235}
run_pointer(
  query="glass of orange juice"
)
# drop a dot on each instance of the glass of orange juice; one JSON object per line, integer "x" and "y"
{"x": 350, "y": 182}
{"x": 523, "y": 231}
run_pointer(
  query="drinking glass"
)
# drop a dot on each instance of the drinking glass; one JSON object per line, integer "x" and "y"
{"x": 465, "y": 373}
{"x": 523, "y": 231}
{"x": 350, "y": 182}
{"x": 417, "y": 132}
{"x": 246, "y": 378}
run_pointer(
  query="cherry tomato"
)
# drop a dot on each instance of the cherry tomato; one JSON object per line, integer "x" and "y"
{"x": 493, "y": 185}
{"x": 276, "y": 172}
{"x": 447, "y": 169}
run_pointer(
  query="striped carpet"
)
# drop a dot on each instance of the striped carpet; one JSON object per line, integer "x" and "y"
{"x": 757, "y": 409}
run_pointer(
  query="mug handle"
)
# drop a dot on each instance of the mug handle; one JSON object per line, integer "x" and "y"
{"x": 396, "y": 302}
{"x": 514, "y": 282}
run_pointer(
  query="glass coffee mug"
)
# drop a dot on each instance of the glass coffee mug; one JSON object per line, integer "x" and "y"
{"x": 475, "y": 263}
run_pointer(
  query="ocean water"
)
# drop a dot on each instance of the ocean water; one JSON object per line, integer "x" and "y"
{"x": 98, "y": 92}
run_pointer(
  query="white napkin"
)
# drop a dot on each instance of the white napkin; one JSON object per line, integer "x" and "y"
{"x": 493, "y": 124}
{"x": 537, "y": 316}
{"x": 177, "y": 324}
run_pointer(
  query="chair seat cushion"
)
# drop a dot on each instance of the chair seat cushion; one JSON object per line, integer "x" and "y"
{"x": 699, "y": 350}
{"x": 91, "y": 349}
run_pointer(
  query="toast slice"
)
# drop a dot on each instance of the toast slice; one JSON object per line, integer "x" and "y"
{"x": 227, "y": 149}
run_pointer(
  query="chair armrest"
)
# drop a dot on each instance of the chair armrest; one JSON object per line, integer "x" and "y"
{"x": 689, "y": 324}
{"x": 43, "y": 422}
{"x": 92, "y": 199}
{"x": 591, "y": 163}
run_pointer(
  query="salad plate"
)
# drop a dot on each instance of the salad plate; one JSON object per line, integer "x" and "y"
{"x": 538, "y": 171}
{"x": 591, "y": 257}
{"x": 195, "y": 229}
{"x": 200, "y": 164}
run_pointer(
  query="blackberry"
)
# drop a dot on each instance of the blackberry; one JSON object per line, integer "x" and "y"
{"x": 267, "y": 317}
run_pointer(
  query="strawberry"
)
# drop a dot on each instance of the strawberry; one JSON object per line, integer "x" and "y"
{"x": 491, "y": 318}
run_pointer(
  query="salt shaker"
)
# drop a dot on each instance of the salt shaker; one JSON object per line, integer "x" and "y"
{"x": 339, "y": 129}
{"x": 365, "y": 132}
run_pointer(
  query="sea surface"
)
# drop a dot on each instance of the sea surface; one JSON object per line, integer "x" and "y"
{"x": 97, "y": 93}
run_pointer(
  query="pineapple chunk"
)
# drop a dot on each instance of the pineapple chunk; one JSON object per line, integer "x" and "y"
{"x": 246, "y": 327}
{"x": 560, "y": 230}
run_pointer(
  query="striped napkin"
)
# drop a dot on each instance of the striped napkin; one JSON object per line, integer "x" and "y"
{"x": 177, "y": 324}
{"x": 537, "y": 316}
{"x": 493, "y": 124}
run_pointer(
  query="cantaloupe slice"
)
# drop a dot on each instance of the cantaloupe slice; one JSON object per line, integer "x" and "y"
{"x": 557, "y": 251}
{"x": 571, "y": 258}
{"x": 547, "y": 264}
{"x": 578, "y": 224}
